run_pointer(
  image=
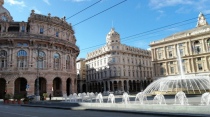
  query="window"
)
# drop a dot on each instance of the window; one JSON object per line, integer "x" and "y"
{"x": 197, "y": 48}
{"x": 23, "y": 29}
{"x": 171, "y": 62}
{"x": 162, "y": 71}
{"x": 113, "y": 60}
{"x": 68, "y": 62}
{"x": 170, "y": 54}
{"x": 199, "y": 59}
{"x": 3, "y": 59}
{"x": 41, "y": 60}
{"x": 22, "y": 59}
{"x": 159, "y": 55}
{"x": 200, "y": 67}
{"x": 57, "y": 34}
{"x": 41, "y": 30}
{"x": 181, "y": 52}
{"x": 172, "y": 69}
{"x": 56, "y": 61}
{"x": 208, "y": 45}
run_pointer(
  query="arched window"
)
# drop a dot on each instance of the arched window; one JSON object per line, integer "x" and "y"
{"x": 3, "y": 59}
{"x": 41, "y": 60}
{"x": 22, "y": 59}
{"x": 56, "y": 61}
{"x": 208, "y": 45}
{"x": 68, "y": 62}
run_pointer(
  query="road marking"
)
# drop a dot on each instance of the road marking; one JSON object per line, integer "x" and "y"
{"x": 18, "y": 114}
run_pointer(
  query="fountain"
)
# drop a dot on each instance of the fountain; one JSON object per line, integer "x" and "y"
{"x": 125, "y": 98}
{"x": 205, "y": 98}
{"x": 99, "y": 98}
{"x": 111, "y": 98}
{"x": 141, "y": 97}
{"x": 159, "y": 99}
{"x": 173, "y": 84}
{"x": 182, "y": 98}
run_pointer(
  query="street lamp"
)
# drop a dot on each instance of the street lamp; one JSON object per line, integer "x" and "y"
{"x": 37, "y": 82}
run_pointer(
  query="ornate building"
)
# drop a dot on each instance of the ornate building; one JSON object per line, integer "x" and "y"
{"x": 81, "y": 75}
{"x": 118, "y": 67}
{"x": 38, "y": 56}
{"x": 194, "y": 47}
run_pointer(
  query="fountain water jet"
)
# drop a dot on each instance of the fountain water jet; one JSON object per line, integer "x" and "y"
{"x": 181, "y": 97}
{"x": 205, "y": 98}
{"x": 99, "y": 98}
{"x": 125, "y": 98}
{"x": 111, "y": 98}
{"x": 142, "y": 97}
{"x": 159, "y": 99}
{"x": 173, "y": 84}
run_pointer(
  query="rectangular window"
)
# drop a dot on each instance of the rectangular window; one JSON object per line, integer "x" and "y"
{"x": 23, "y": 29}
{"x": 161, "y": 71}
{"x": 172, "y": 70}
{"x": 41, "y": 30}
{"x": 181, "y": 52}
{"x": 159, "y": 55}
{"x": 170, "y": 54}
{"x": 199, "y": 59}
{"x": 57, "y": 34}
{"x": 200, "y": 67}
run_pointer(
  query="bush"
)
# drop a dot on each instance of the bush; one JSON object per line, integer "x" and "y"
{"x": 18, "y": 96}
{"x": 7, "y": 96}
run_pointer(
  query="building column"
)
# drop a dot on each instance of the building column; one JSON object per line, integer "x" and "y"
{"x": 203, "y": 46}
{"x": 63, "y": 85}
{"x": 127, "y": 84}
{"x": 122, "y": 86}
{"x": 72, "y": 86}
{"x": 190, "y": 48}
{"x": 108, "y": 83}
{"x": 49, "y": 86}
{"x": 167, "y": 71}
{"x": 193, "y": 65}
{"x": 104, "y": 86}
{"x": 205, "y": 64}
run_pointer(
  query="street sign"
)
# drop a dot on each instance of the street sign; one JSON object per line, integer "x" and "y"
{"x": 27, "y": 86}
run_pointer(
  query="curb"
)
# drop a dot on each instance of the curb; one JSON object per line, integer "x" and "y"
{"x": 120, "y": 111}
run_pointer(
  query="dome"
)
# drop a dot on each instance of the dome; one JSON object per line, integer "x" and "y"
{"x": 113, "y": 37}
{"x": 4, "y": 13}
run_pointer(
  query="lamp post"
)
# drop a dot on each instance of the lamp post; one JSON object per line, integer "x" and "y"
{"x": 37, "y": 82}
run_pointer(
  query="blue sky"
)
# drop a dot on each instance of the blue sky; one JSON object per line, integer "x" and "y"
{"x": 129, "y": 18}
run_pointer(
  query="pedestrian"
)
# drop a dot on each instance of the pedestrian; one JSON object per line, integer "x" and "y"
{"x": 50, "y": 96}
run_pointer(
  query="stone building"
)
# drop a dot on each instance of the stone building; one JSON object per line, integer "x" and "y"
{"x": 118, "y": 67}
{"x": 194, "y": 47}
{"x": 81, "y": 75}
{"x": 38, "y": 56}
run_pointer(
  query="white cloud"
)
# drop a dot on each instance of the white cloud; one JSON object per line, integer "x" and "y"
{"x": 36, "y": 10}
{"x": 183, "y": 6}
{"x": 15, "y": 2}
{"x": 78, "y": 0}
{"x": 47, "y": 2}
{"x": 156, "y": 4}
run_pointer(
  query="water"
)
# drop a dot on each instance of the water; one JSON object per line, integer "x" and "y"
{"x": 171, "y": 85}
{"x": 159, "y": 99}
{"x": 141, "y": 98}
{"x": 205, "y": 99}
{"x": 125, "y": 98}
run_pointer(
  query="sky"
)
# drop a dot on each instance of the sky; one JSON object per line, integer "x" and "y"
{"x": 139, "y": 22}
